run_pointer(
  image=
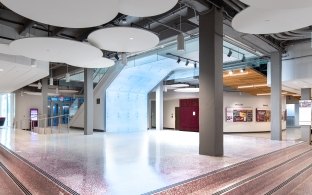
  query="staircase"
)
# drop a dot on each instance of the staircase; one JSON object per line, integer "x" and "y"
{"x": 19, "y": 176}
{"x": 281, "y": 172}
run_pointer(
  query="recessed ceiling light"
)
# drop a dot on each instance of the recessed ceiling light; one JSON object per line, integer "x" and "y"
{"x": 131, "y": 38}
{"x": 1, "y": 70}
{"x": 33, "y": 66}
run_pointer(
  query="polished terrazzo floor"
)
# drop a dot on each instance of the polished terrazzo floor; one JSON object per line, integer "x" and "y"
{"x": 132, "y": 163}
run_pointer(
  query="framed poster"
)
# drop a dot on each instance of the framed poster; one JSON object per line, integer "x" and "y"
{"x": 263, "y": 115}
{"x": 305, "y": 112}
{"x": 239, "y": 114}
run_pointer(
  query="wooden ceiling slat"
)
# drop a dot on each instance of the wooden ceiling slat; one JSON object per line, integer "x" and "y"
{"x": 249, "y": 77}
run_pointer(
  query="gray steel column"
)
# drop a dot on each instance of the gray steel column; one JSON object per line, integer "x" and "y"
{"x": 276, "y": 97}
{"x": 159, "y": 107}
{"x": 44, "y": 90}
{"x": 306, "y": 129}
{"x": 211, "y": 83}
{"x": 88, "y": 101}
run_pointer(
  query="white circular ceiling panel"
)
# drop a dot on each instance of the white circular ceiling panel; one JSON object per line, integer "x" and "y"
{"x": 278, "y": 4}
{"x": 267, "y": 21}
{"x": 123, "y": 39}
{"x": 145, "y": 8}
{"x": 97, "y": 63}
{"x": 5, "y": 49}
{"x": 55, "y": 49}
{"x": 69, "y": 13}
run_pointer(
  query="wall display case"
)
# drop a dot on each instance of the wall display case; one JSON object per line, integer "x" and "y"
{"x": 239, "y": 114}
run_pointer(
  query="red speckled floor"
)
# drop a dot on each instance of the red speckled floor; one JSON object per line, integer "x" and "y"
{"x": 133, "y": 163}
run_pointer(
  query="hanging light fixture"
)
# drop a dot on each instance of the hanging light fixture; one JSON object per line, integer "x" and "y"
{"x": 51, "y": 78}
{"x": 57, "y": 87}
{"x": 195, "y": 65}
{"x": 180, "y": 37}
{"x": 180, "y": 42}
{"x": 179, "y": 60}
{"x": 67, "y": 76}
{"x": 51, "y": 81}
{"x": 39, "y": 85}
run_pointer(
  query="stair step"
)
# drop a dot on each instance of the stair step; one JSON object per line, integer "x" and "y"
{"x": 30, "y": 178}
{"x": 264, "y": 183}
{"x": 9, "y": 185}
{"x": 297, "y": 184}
{"x": 213, "y": 182}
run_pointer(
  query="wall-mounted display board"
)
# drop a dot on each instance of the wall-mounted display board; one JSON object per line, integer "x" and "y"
{"x": 305, "y": 112}
{"x": 263, "y": 115}
{"x": 239, "y": 114}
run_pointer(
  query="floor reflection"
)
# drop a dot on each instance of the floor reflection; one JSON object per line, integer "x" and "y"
{"x": 132, "y": 163}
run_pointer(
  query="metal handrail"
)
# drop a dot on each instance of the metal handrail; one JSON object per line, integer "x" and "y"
{"x": 45, "y": 119}
{"x": 52, "y": 117}
{"x": 26, "y": 119}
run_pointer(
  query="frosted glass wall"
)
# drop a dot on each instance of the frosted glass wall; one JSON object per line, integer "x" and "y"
{"x": 126, "y": 111}
{"x": 126, "y": 97}
{"x": 7, "y": 108}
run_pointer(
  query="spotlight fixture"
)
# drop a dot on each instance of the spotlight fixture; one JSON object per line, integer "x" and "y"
{"x": 242, "y": 70}
{"x": 187, "y": 62}
{"x": 230, "y": 53}
{"x": 243, "y": 58}
{"x": 39, "y": 85}
{"x": 195, "y": 65}
{"x": 179, "y": 60}
{"x": 180, "y": 42}
{"x": 116, "y": 56}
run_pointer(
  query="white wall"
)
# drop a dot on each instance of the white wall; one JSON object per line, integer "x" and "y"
{"x": 169, "y": 113}
{"x": 244, "y": 100}
{"x": 230, "y": 100}
{"x": 23, "y": 105}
